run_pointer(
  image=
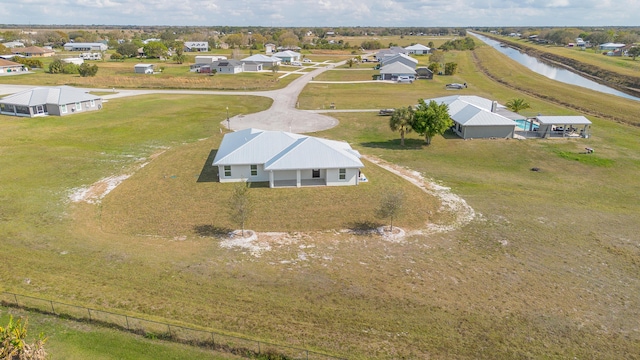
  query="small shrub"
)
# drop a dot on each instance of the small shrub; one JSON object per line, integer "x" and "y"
{"x": 87, "y": 70}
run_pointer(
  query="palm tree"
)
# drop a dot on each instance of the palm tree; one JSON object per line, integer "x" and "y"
{"x": 516, "y": 105}
{"x": 401, "y": 120}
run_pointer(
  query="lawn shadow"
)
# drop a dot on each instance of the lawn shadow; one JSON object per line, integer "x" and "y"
{"x": 211, "y": 231}
{"x": 365, "y": 227}
{"x": 450, "y": 134}
{"x": 409, "y": 144}
{"x": 209, "y": 172}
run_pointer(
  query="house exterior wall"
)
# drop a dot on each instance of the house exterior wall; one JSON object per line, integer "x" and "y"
{"x": 11, "y": 69}
{"x": 479, "y": 132}
{"x": 50, "y": 109}
{"x": 307, "y": 174}
{"x": 142, "y": 69}
{"x": 228, "y": 69}
{"x": 252, "y": 67}
{"x": 243, "y": 173}
{"x": 333, "y": 177}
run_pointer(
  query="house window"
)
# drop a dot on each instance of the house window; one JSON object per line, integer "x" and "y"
{"x": 227, "y": 170}
{"x": 315, "y": 173}
{"x": 343, "y": 174}
{"x": 78, "y": 106}
{"x": 93, "y": 103}
{"x": 254, "y": 170}
{"x": 63, "y": 109}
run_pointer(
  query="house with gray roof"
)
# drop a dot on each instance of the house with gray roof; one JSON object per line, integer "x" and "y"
{"x": 265, "y": 60}
{"x": 392, "y": 51}
{"x": 285, "y": 159}
{"x": 288, "y": 55}
{"x": 43, "y": 101}
{"x": 396, "y": 69}
{"x": 476, "y": 117}
{"x": 196, "y": 46}
{"x": 402, "y": 58}
{"x": 227, "y": 66}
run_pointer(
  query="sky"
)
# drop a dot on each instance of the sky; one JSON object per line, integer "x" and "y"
{"x": 323, "y": 13}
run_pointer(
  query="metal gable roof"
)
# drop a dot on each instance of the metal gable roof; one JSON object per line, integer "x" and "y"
{"x": 417, "y": 47}
{"x": 58, "y": 95}
{"x": 397, "y": 68}
{"x": 279, "y": 150}
{"x": 471, "y": 110}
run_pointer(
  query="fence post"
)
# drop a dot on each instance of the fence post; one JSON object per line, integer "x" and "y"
{"x": 213, "y": 341}
{"x": 169, "y": 328}
{"x": 259, "y": 348}
{"x": 307, "y": 354}
{"x": 16, "y": 297}
{"x": 89, "y": 311}
{"x": 52, "y": 309}
{"x": 127, "y": 319}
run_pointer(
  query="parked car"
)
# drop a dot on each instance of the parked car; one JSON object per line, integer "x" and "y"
{"x": 405, "y": 79}
{"x": 306, "y": 60}
{"x": 386, "y": 112}
{"x": 296, "y": 63}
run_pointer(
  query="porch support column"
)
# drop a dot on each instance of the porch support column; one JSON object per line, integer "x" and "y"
{"x": 271, "y": 179}
{"x": 298, "y": 181}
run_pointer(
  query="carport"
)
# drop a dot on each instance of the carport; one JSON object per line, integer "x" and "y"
{"x": 563, "y": 126}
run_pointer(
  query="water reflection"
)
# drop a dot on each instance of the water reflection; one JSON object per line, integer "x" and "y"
{"x": 552, "y": 72}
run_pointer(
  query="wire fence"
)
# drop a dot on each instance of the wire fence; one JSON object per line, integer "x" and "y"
{"x": 165, "y": 331}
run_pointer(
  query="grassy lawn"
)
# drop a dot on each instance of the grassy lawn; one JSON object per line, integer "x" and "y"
{"x": 74, "y": 340}
{"x": 548, "y": 269}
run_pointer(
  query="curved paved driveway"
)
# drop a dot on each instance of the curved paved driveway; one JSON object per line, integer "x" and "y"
{"x": 282, "y": 115}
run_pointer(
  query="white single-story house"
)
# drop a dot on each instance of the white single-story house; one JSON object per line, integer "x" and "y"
{"x": 393, "y": 70}
{"x": 611, "y": 46}
{"x": 10, "y": 67}
{"x": 286, "y": 159}
{"x": 227, "y": 66}
{"x": 269, "y": 48}
{"x": 208, "y": 59}
{"x": 563, "y": 126}
{"x": 13, "y": 44}
{"x": 476, "y": 117}
{"x": 73, "y": 60}
{"x": 196, "y": 46}
{"x": 42, "y": 101}
{"x": 85, "y": 47}
{"x": 418, "y": 49}
{"x": 288, "y": 56}
{"x": 263, "y": 59}
{"x": 402, "y": 58}
{"x": 143, "y": 68}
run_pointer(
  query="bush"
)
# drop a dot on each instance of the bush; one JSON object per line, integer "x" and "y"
{"x": 88, "y": 70}
{"x": 116, "y": 57}
{"x": 56, "y": 66}
{"x": 70, "y": 69}
{"x": 30, "y": 63}
{"x": 450, "y": 68}
{"x": 14, "y": 346}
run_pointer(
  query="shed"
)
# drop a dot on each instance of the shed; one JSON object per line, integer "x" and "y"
{"x": 143, "y": 68}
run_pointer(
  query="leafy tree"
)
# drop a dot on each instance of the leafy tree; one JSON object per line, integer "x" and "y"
{"x": 516, "y": 105}
{"x": 155, "y": 49}
{"x": 56, "y": 66}
{"x": 401, "y": 121}
{"x": 240, "y": 204}
{"x": 234, "y": 40}
{"x": 371, "y": 45}
{"x": 116, "y": 57}
{"x": 86, "y": 70}
{"x": 391, "y": 206}
{"x": 350, "y": 63}
{"x": 634, "y": 52}
{"x": 450, "y": 68}
{"x": 29, "y": 62}
{"x": 13, "y": 343}
{"x": 435, "y": 67}
{"x": 437, "y": 57}
{"x": 275, "y": 68}
{"x": 4, "y": 50}
{"x": 431, "y": 44}
{"x": 128, "y": 49}
{"x": 70, "y": 69}
{"x": 431, "y": 119}
{"x": 179, "y": 59}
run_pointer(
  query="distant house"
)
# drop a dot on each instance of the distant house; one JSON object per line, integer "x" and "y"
{"x": 13, "y": 44}
{"x": 424, "y": 73}
{"x": 288, "y": 56}
{"x": 401, "y": 58}
{"x": 8, "y": 67}
{"x": 394, "y": 70}
{"x": 286, "y": 159}
{"x": 269, "y": 48}
{"x": 43, "y": 101}
{"x": 33, "y": 51}
{"x": 143, "y": 68}
{"x": 476, "y": 117}
{"x": 209, "y": 59}
{"x": 611, "y": 46}
{"x": 196, "y": 46}
{"x": 392, "y": 51}
{"x": 85, "y": 47}
{"x": 227, "y": 66}
{"x": 267, "y": 61}
{"x": 418, "y": 49}
{"x": 251, "y": 66}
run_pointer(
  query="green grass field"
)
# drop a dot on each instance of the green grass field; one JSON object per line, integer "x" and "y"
{"x": 547, "y": 269}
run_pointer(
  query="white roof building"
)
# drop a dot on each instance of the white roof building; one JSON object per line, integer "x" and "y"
{"x": 286, "y": 159}
{"x": 418, "y": 49}
{"x": 288, "y": 55}
{"x": 42, "y": 101}
{"x": 263, "y": 59}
